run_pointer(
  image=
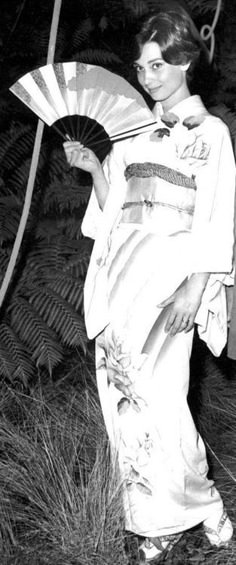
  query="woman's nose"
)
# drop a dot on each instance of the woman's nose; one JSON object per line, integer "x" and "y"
{"x": 147, "y": 77}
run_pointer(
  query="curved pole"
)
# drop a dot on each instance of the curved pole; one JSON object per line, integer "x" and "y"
{"x": 34, "y": 163}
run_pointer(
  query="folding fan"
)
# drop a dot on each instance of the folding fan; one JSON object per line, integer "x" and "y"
{"x": 84, "y": 102}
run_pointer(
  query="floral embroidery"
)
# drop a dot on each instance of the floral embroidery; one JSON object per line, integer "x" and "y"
{"x": 197, "y": 151}
{"x": 122, "y": 370}
{"x": 124, "y": 404}
{"x": 193, "y": 121}
{"x": 189, "y": 144}
{"x": 169, "y": 119}
{"x": 136, "y": 480}
{"x": 137, "y": 457}
{"x": 160, "y": 133}
{"x": 122, "y": 366}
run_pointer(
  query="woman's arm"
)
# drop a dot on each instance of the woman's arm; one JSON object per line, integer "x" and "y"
{"x": 212, "y": 231}
{"x": 184, "y": 303}
{"x": 79, "y": 156}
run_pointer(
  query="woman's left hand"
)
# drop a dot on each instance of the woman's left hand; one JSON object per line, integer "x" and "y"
{"x": 185, "y": 302}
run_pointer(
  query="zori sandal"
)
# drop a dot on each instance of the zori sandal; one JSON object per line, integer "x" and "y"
{"x": 152, "y": 549}
{"x": 219, "y": 530}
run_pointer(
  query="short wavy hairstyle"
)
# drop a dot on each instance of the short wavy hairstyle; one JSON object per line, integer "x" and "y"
{"x": 176, "y": 34}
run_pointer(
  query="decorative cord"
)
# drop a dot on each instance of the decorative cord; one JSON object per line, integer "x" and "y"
{"x": 207, "y": 31}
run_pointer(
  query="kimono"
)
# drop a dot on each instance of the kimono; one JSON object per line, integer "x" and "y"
{"x": 168, "y": 214}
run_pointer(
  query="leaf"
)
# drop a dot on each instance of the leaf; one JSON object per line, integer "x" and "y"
{"x": 62, "y": 196}
{"x": 9, "y": 218}
{"x": 82, "y": 33}
{"x": 70, "y": 288}
{"x": 42, "y": 342}
{"x": 7, "y": 365}
{"x": 97, "y": 57}
{"x": 144, "y": 489}
{"x": 24, "y": 368}
{"x": 59, "y": 315}
{"x": 123, "y": 406}
{"x": 4, "y": 258}
{"x": 15, "y": 143}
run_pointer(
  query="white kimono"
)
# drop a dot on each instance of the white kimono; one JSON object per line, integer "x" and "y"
{"x": 169, "y": 213}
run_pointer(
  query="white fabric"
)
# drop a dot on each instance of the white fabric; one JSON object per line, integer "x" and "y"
{"x": 204, "y": 152}
{"x": 140, "y": 256}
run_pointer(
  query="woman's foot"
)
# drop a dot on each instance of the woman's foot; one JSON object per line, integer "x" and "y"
{"x": 218, "y": 529}
{"x": 152, "y": 548}
{"x": 148, "y": 552}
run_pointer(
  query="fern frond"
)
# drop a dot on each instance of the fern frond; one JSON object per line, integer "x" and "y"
{"x": 24, "y": 368}
{"x": 71, "y": 227}
{"x": 68, "y": 287}
{"x": 135, "y": 8}
{"x": 43, "y": 344}
{"x": 47, "y": 229}
{"x": 4, "y": 258}
{"x": 57, "y": 164}
{"x": 78, "y": 262}
{"x": 15, "y": 144}
{"x": 82, "y": 33}
{"x": 94, "y": 56}
{"x": 9, "y": 218}
{"x": 64, "y": 197}
{"x": 58, "y": 254}
{"x": 115, "y": 12}
{"x": 45, "y": 257}
{"x": 7, "y": 365}
{"x": 59, "y": 315}
{"x": 19, "y": 177}
{"x": 202, "y": 7}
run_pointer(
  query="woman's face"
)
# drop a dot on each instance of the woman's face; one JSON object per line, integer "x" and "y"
{"x": 164, "y": 82}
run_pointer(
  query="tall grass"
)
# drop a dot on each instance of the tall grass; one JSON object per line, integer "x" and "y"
{"x": 60, "y": 497}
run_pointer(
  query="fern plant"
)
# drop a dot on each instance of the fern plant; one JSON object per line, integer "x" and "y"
{"x": 43, "y": 311}
{"x": 42, "y": 316}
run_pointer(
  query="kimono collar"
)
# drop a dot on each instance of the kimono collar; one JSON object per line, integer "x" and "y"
{"x": 190, "y": 106}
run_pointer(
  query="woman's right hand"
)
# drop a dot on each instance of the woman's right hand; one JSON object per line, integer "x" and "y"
{"x": 79, "y": 156}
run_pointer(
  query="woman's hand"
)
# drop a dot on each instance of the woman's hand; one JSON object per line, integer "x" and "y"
{"x": 79, "y": 156}
{"x": 185, "y": 302}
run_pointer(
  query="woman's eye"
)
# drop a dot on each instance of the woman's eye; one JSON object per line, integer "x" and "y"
{"x": 137, "y": 69}
{"x": 156, "y": 65}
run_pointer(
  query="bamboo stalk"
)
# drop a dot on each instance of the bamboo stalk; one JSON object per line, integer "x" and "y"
{"x": 34, "y": 164}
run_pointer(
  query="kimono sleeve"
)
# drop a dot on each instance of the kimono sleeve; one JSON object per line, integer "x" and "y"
{"x": 113, "y": 168}
{"x": 213, "y": 224}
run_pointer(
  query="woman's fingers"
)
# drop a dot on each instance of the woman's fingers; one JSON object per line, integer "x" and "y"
{"x": 179, "y": 322}
{"x": 72, "y": 145}
{"x": 76, "y": 153}
{"x": 72, "y": 148}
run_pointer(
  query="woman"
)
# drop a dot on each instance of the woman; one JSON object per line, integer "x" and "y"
{"x": 161, "y": 214}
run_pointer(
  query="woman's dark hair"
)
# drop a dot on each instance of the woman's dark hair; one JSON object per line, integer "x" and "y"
{"x": 175, "y": 33}
{"x": 173, "y": 29}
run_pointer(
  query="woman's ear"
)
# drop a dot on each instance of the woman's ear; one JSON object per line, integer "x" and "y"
{"x": 185, "y": 67}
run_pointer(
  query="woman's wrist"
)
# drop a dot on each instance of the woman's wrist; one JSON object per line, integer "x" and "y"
{"x": 199, "y": 279}
{"x": 100, "y": 186}
{"x": 98, "y": 174}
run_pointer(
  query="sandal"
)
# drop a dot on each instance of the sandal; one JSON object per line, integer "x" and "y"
{"x": 218, "y": 531}
{"x": 150, "y": 552}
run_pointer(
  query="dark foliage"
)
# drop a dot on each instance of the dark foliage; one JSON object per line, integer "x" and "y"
{"x": 42, "y": 315}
